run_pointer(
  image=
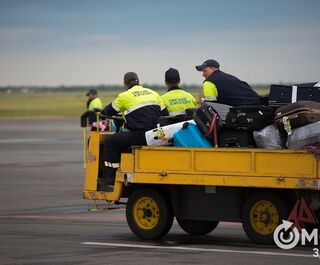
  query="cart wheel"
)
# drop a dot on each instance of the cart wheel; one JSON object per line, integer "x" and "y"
{"x": 262, "y": 213}
{"x": 197, "y": 227}
{"x": 149, "y": 214}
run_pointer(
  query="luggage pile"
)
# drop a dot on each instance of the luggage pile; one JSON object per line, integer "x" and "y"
{"x": 292, "y": 120}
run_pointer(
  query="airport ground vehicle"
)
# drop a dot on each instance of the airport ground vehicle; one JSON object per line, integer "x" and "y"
{"x": 202, "y": 186}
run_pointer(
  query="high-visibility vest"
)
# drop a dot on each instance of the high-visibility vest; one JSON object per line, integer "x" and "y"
{"x": 95, "y": 104}
{"x": 141, "y": 107}
{"x": 177, "y": 101}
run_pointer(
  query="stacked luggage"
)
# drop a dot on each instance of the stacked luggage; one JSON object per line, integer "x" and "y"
{"x": 300, "y": 121}
{"x": 190, "y": 136}
{"x": 292, "y": 120}
{"x": 163, "y": 135}
{"x": 298, "y": 114}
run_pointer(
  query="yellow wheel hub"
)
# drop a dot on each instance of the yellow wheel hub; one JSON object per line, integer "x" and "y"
{"x": 146, "y": 213}
{"x": 264, "y": 217}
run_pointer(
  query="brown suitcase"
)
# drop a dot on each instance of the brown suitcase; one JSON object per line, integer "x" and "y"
{"x": 297, "y": 114}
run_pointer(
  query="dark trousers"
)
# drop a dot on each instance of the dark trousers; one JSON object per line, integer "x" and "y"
{"x": 114, "y": 145}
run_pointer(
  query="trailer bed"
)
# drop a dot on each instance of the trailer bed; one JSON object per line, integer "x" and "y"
{"x": 235, "y": 167}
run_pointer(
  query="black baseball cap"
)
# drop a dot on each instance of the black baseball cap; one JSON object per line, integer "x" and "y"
{"x": 208, "y": 63}
{"x": 172, "y": 75}
{"x": 92, "y": 91}
{"x": 130, "y": 77}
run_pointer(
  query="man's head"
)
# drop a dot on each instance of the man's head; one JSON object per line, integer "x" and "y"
{"x": 172, "y": 77}
{"x": 92, "y": 93}
{"x": 130, "y": 79}
{"x": 208, "y": 67}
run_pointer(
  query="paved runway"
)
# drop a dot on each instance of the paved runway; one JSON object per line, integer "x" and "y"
{"x": 44, "y": 220}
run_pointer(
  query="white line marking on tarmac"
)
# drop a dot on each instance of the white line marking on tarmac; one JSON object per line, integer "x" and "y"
{"x": 269, "y": 253}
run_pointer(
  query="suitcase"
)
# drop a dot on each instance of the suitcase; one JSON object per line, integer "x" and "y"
{"x": 236, "y": 138}
{"x": 221, "y": 109}
{"x": 163, "y": 135}
{"x": 203, "y": 117}
{"x": 281, "y": 95}
{"x": 249, "y": 117}
{"x": 304, "y": 136}
{"x": 312, "y": 84}
{"x": 167, "y": 120}
{"x": 190, "y": 136}
{"x": 297, "y": 114}
{"x": 269, "y": 138}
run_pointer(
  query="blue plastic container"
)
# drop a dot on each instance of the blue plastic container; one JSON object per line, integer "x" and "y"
{"x": 190, "y": 136}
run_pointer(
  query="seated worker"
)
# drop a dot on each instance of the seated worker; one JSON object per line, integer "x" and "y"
{"x": 141, "y": 107}
{"x": 225, "y": 88}
{"x": 176, "y": 100}
{"x": 93, "y": 104}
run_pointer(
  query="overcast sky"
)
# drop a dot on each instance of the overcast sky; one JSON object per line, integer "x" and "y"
{"x": 52, "y": 42}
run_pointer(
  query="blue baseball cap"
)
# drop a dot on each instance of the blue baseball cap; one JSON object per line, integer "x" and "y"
{"x": 208, "y": 63}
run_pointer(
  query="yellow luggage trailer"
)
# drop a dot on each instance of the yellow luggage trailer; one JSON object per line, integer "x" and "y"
{"x": 202, "y": 186}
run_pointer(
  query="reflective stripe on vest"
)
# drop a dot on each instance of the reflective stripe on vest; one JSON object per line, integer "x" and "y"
{"x": 131, "y": 99}
{"x": 114, "y": 106}
{"x": 163, "y": 107}
{"x": 179, "y": 112}
{"x": 211, "y": 98}
{"x": 140, "y": 105}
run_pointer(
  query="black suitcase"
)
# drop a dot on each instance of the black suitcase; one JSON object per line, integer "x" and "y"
{"x": 221, "y": 109}
{"x": 249, "y": 117}
{"x": 168, "y": 120}
{"x": 203, "y": 117}
{"x": 297, "y": 114}
{"x": 312, "y": 84}
{"x": 236, "y": 138}
{"x": 281, "y": 95}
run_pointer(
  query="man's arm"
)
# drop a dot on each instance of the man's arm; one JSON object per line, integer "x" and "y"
{"x": 163, "y": 107}
{"x": 114, "y": 107}
{"x": 210, "y": 91}
{"x": 109, "y": 110}
{"x": 165, "y": 112}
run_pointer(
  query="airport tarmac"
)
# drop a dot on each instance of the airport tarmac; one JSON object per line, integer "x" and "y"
{"x": 44, "y": 220}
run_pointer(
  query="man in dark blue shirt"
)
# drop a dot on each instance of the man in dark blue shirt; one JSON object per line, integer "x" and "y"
{"x": 225, "y": 88}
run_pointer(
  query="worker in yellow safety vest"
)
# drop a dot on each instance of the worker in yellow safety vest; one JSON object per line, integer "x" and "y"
{"x": 93, "y": 104}
{"x": 141, "y": 108}
{"x": 176, "y": 99}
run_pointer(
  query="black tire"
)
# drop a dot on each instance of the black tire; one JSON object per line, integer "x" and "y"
{"x": 149, "y": 214}
{"x": 261, "y": 214}
{"x": 197, "y": 227}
